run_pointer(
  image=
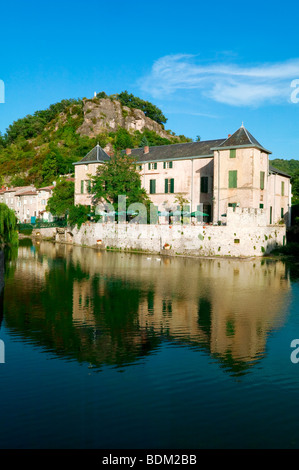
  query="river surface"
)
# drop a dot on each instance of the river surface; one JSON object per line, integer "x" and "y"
{"x": 126, "y": 351}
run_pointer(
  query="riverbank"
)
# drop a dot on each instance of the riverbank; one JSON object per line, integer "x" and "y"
{"x": 176, "y": 240}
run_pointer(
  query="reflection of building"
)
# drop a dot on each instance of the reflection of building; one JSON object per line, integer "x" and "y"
{"x": 230, "y": 306}
{"x": 114, "y": 308}
{"x": 212, "y": 175}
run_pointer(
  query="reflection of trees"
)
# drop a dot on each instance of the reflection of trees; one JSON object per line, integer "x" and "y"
{"x": 114, "y": 309}
{"x": 45, "y": 317}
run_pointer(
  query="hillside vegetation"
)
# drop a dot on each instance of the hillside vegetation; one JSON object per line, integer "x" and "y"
{"x": 291, "y": 167}
{"x": 39, "y": 147}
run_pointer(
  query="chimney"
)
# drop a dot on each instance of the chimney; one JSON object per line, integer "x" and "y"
{"x": 128, "y": 151}
{"x": 229, "y": 135}
{"x": 146, "y": 149}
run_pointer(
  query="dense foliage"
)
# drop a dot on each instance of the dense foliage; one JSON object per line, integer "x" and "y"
{"x": 38, "y": 148}
{"x": 78, "y": 215}
{"x": 118, "y": 177}
{"x": 8, "y": 226}
{"x": 62, "y": 199}
{"x": 291, "y": 167}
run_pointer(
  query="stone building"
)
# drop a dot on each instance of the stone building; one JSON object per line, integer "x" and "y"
{"x": 211, "y": 175}
{"x": 27, "y": 202}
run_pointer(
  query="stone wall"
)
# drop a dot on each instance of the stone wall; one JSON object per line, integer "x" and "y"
{"x": 245, "y": 235}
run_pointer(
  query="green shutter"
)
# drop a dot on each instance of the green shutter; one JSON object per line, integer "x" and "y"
{"x": 152, "y": 186}
{"x": 270, "y": 215}
{"x": 170, "y": 165}
{"x": 172, "y": 185}
{"x": 166, "y": 186}
{"x": 261, "y": 206}
{"x": 149, "y": 166}
{"x": 88, "y": 185}
{"x": 155, "y": 166}
{"x": 82, "y": 187}
{"x": 262, "y": 179}
{"x": 282, "y": 188}
{"x": 281, "y": 213}
{"x": 232, "y": 153}
{"x": 164, "y": 165}
{"x": 232, "y": 179}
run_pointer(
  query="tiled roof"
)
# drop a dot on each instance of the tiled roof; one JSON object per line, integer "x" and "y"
{"x": 241, "y": 138}
{"x": 272, "y": 169}
{"x": 97, "y": 154}
{"x": 176, "y": 151}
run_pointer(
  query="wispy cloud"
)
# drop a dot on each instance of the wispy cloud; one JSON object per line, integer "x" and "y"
{"x": 236, "y": 85}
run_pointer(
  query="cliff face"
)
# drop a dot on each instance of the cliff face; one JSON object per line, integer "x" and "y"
{"x": 105, "y": 115}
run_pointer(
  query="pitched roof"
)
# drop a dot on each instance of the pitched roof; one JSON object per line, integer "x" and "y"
{"x": 97, "y": 154}
{"x": 272, "y": 169}
{"x": 176, "y": 151}
{"x": 241, "y": 138}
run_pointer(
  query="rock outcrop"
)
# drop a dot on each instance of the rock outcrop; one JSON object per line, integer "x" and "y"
{"x": 106, "y": 115}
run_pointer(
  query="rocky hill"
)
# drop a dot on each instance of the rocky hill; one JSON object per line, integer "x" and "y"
{"x": 42, "y": 146}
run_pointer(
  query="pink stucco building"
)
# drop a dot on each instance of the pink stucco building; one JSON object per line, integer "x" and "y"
{"x": 211, "y": 175}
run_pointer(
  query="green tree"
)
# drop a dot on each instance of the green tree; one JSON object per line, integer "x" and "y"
{"x": 8, "y": 226}
{"x": 118, "y": 177}
{"x": 78, "y": 215}
{"x": 149, "y": 109}
{"x": 123, "y": 139}
{"x": 62, "y": 199}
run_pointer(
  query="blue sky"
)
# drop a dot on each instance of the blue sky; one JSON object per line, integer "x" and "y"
{"x": 208, "y": 65}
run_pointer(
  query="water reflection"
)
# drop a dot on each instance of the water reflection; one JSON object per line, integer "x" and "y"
{"x": 115, "y": 309}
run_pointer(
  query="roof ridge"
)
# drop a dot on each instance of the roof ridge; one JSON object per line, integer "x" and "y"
{"x": 178, "y": 143}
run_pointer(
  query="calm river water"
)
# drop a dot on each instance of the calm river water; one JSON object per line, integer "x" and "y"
{"x": 120, "y": 351}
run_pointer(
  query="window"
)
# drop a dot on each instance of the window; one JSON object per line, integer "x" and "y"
{"x": 232, "y": 178}
{"x": 152, "y": 186}
{"x": 232, "y": 153}
{"x": 282, "y": 188}
{"x": 169, "y": 186}
{"x": 88, "y": 185}
{"x": 139, "y": 167}
{"x": 167, "y": 165}
{"x": 232, "y": 204}
{"x": 262, "y": 180}
{"x": 204, "y": 184}
{"x": 270, "y": 215}
{"x": 281, "y": 213}
{"x": 82, "y": 187}
{"x": 152, "y": 166}
{"x": 261, "y": 206}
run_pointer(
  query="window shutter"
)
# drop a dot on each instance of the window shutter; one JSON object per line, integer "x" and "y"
{"x": 282, "y": 188}
{"x": 166, "y": 186}
{"x": 262, "y": 177}
{"x": 170, "y": 165}
{"x": 82, "y": 187}
{"x": 149, "y": 166}
{"x": 232, "y": 153}
{"x": 232, "y": 179}
{"x": 164, "y": 165}
{"x": 152, "y": 186}
{"x": 155, "y": 166}
{"x": 172, "y": 185}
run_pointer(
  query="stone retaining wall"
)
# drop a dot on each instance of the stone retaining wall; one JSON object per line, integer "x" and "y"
{"x": 245, "y": 235}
